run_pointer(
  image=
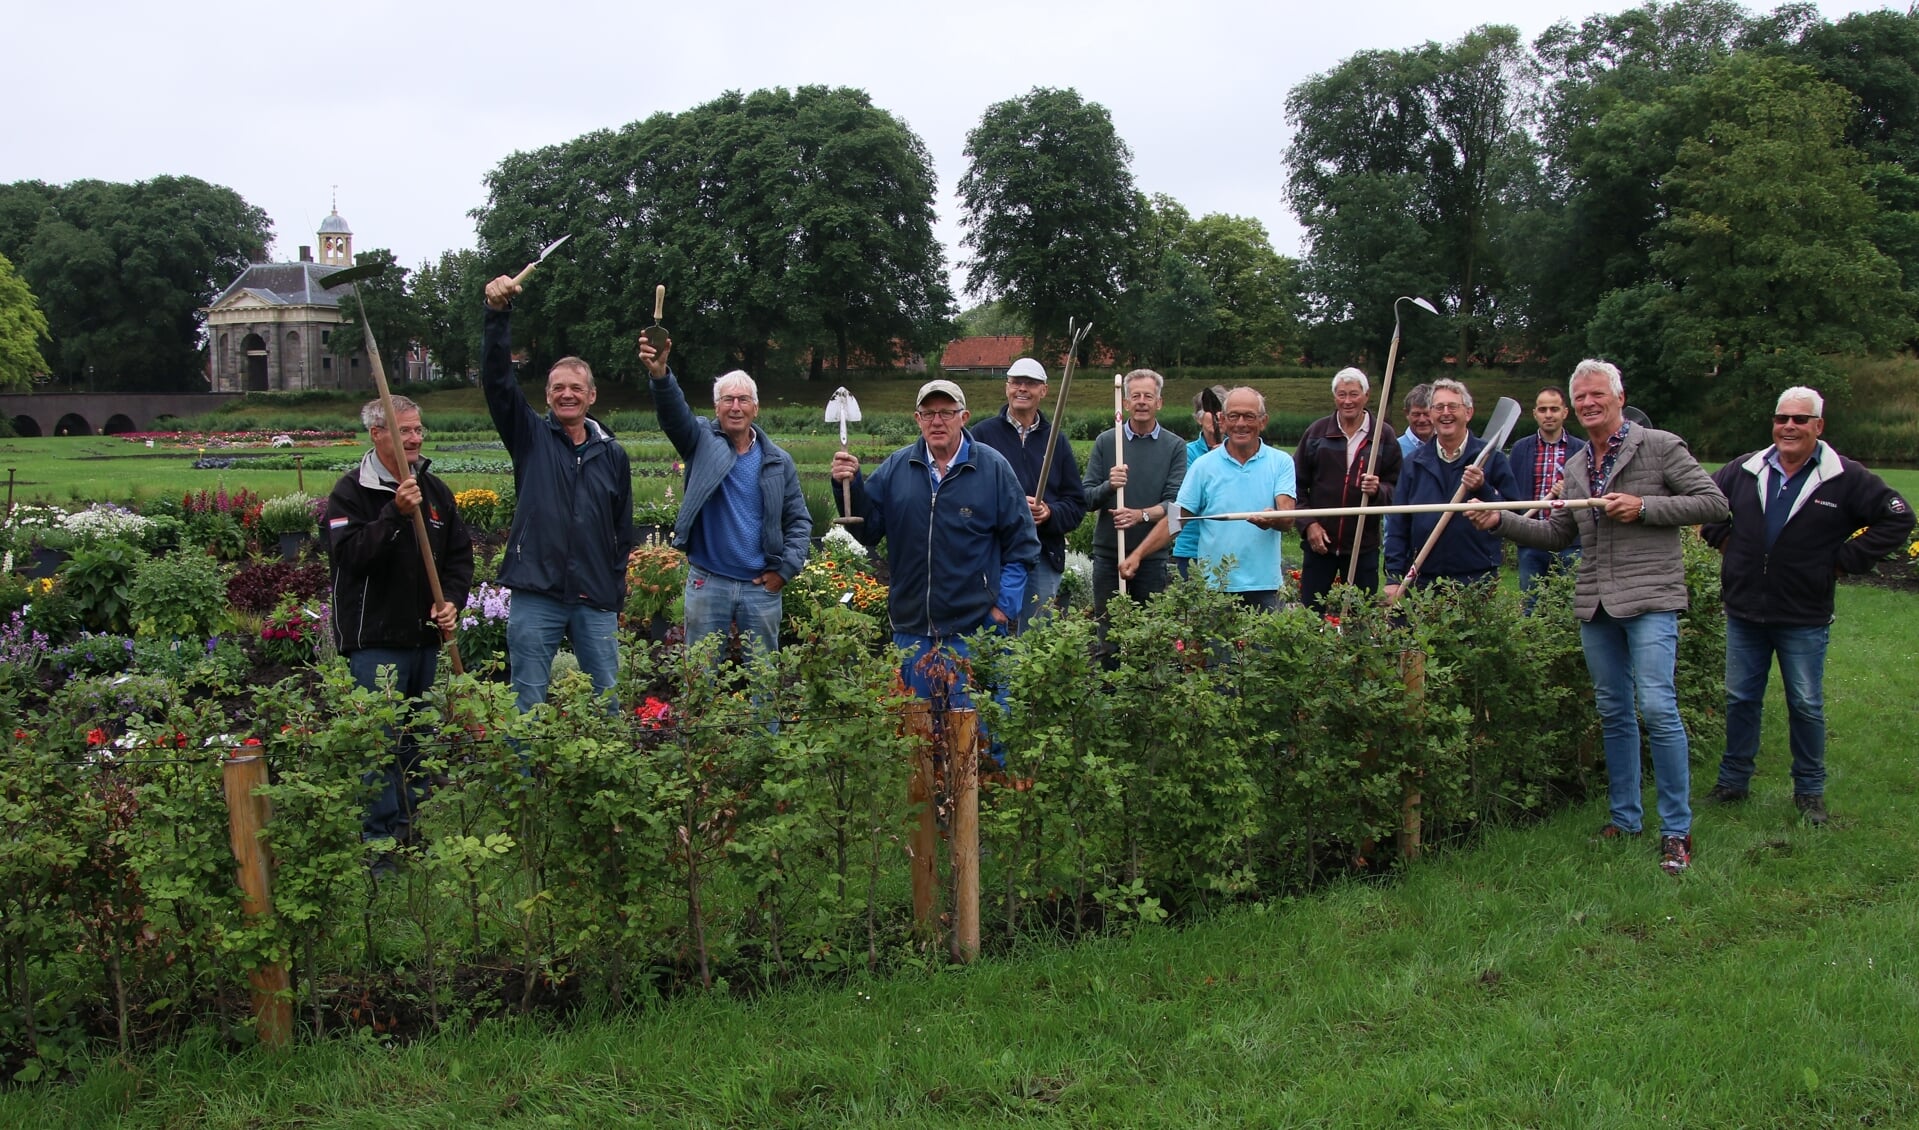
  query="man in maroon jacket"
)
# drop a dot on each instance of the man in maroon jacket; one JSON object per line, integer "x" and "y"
{"x": 1331, "y": 464}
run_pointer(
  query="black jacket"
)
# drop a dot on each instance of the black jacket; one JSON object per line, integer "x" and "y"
{"x": 380, "y": 594}
{"x": 1063, "y": 491}
{"x": 1792, "y": 584}
{"x": 1327, "y": 479}
{"x": 573, "y": 518}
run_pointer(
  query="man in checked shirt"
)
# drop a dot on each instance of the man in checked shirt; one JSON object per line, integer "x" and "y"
{"x": 1539, "y": 463}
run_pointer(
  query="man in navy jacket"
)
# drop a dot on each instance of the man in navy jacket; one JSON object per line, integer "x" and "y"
{"x": 743, "y": 521}
{"x": 959, "y": 536}
{"x": 1433, "y": 473}
{"x": 1795, "y": 508}
{"x": 565, "y": 556}
{"x": 1020, "y": 432}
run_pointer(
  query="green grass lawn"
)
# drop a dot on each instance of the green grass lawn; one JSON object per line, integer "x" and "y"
{"x": 1533, "y": 979}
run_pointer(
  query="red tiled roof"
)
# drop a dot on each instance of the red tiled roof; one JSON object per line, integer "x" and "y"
{"x": 985, "y": 352}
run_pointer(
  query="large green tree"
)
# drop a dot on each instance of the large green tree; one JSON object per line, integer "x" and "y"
{"x": 1403, "y": 168}
{"x": 22, "y": 328}
{"x": 785, "y": 225}
{"x": 1210, "y": 291}
{"x": 448, "y": 295}
{"x": 1049, "y": 209}
{"x": 390, "y": 308}
{"x": 1764, "y": 263}
{"x": 124, "y": 271}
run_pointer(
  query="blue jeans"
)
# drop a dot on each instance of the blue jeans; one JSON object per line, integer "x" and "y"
{"x": 389, "y": 815}
{"x": 715, "y": 603}
{"x": 1802, "y": 668}
{"x": 1536, "y": 563}
{"x": 535, "y": 625}
{"x": 1042, "y": 585}
{"x": 1637, "y": 655}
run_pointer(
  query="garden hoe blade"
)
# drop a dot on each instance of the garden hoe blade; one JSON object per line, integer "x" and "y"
{"x": 841, "y": 410}
{"x": 1500, "y": 427}
{"x": 657, "y": 337}
{"x": 353, "y": 275}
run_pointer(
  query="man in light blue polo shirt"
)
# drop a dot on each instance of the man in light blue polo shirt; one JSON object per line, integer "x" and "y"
{"x": 1242, "y": 474}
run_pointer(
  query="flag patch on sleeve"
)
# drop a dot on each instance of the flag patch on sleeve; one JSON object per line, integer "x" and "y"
{"x": 338, "y": 523}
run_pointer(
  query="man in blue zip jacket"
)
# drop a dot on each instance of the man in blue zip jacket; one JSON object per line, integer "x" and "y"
{"x": 743, "y": 520}
{"x": 959, "y": 538}
{"x": 565, "y": 558}
{"x": 1435, "y": 471}
{"x": 1021, "y": 432}
{"x": 1795, "y": 508}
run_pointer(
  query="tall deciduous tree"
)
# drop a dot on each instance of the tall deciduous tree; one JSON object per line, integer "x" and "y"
{"x": 782, "y": 223}
{"x": 124, "y": 271}
{"x": 448, "y": 295}
{"x": 22, "y": 328}
{"x": 1402, "y": 168}
{"x": 1210, "y": 291}
{"x": 1049, "y": 209}
{"x": 1764, "y": 263}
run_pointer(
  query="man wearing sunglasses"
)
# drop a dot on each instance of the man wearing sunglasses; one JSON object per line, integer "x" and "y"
{"x": 1802, "y": 514}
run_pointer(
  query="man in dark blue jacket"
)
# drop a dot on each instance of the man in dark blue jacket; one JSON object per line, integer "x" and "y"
{"x": 743, "y": 521}
{"x": 1433, "y": 473}
{"x": 1796, "y": 507}
{"x": 565, "y": 556}
{"x": 1021, "y": 432}
{"x": 959, "y": 536}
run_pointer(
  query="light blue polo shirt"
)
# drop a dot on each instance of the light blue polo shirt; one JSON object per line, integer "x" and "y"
{"x": 1217, "y": 483}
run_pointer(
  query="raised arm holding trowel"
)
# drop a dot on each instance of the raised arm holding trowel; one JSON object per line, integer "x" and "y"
{"x": 573, "y": 521}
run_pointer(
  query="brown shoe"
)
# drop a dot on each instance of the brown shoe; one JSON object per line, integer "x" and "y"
{"x": 1812, "y": 808}
{"x": 1612, "y": 833}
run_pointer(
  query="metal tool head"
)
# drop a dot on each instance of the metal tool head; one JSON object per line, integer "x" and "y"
{"x": 552, "y": 247}
{"x": 354, "y": 274}
{"x": 1636, "y": 416}
{"x": 1421, "y": 303}
{"x": 655, "y": 334}
{"x": 1499, "y": 426}
{"x": 842, "y": 409}
{"x": 1175, "y": 518}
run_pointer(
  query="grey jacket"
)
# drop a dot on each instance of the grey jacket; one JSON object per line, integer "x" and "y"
{"x": 785, "y": 523}
{"x": 1629, "y": 568}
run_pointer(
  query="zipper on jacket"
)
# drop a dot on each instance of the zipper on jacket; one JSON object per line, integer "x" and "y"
{"x": 932, "y": 515}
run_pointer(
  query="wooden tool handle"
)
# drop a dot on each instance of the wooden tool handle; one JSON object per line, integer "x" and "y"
{"x": 659, "y": 302}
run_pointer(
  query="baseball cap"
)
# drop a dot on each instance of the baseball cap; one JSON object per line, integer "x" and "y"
{"x": 1028, "y": 368}
{"x": 931, "y": 388}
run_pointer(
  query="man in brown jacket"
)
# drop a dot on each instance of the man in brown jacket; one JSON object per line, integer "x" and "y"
{"x": 1631, "y": 587}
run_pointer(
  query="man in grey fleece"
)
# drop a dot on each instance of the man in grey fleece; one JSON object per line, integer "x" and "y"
{"x": 1155, "y": 466}
{"x": 1631, "y": 587}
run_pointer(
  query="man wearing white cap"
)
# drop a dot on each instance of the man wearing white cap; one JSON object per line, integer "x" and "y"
{"x": 1021, "y": 432}
{"x": 962, "y": 540}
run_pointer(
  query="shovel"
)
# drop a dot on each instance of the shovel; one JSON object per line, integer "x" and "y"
{"x": 657, "y": 337}
{"x": 841, "y": 410}
{"x": 1505, "y": 415}
{"x": 520, "y": 278}
{"x": 351, "y": 277}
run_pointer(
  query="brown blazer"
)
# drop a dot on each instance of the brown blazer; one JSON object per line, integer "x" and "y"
{"x": 1629, "y": 567}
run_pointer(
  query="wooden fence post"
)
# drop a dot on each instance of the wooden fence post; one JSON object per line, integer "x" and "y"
{"x": 247, "y": 813}
{"x": 962, "y": 785}
{"x": 1412, "y": 671}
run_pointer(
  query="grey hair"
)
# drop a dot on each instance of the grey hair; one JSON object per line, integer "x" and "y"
{"x": 1257, "y": 395}
{"x": 734, "y": 379}
{"x": 1801, "y": 392}
{"x": 1351, "y": 376}
{"x": 1592, "y": 367}
{"x": 1451, "y": 385}
{"x": 1159, "y": 382}
{"x": 1420, "y": 397}
{"x": 572, "y": 363}
{"x": 374, "y": 416}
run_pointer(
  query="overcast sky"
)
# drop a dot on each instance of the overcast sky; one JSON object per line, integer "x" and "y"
{"x": 406, "y": 105}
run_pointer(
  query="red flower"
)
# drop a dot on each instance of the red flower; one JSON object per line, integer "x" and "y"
{"x": 1179, "y": 645}
{"x": 96, "y": 737}
{"x": 251, "y": 741}
{"x": 19, "y": 735}
{"x": 179, "y": 741}
{"x": 654, "y": 713}
{"x": 1333, "y": 620}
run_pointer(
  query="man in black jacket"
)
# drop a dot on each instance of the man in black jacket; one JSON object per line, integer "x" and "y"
{"x": 384, "y": 618}
{"x": 1021, "y": 433}
{"x": 565, "y": 557}
{"x": 1795, "y": 509}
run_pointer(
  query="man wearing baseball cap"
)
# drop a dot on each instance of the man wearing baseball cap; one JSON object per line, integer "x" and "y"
{"x": 1021, "y": 432}
{"x": 961, "y": 543}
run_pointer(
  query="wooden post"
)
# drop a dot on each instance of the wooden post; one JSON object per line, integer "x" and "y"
{"x": 1412, "y": 670}
{"x": 962, "y": 785}
{"x": 919, "y": 796}
{"x": 247, "y": 814}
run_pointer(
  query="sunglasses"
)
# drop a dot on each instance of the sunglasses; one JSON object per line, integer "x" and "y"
{"x": 1800, "y": 418}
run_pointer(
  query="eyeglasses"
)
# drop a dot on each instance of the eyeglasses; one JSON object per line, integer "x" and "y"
{"x": 1800, "y": 418}
{"x": 1242, "y": 417}
{"x": 940, "y": 415}
{"x": 409, "y": 432}
{"x": 734, "y": 400}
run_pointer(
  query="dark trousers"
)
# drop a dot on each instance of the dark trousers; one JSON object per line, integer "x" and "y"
{"x": 1318, "y": 571}
{"x": 389, "y": 815}
{"x": 1153, "y": 576}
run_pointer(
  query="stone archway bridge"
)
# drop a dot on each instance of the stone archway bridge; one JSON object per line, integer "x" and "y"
{"x": 102, "y": 413}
